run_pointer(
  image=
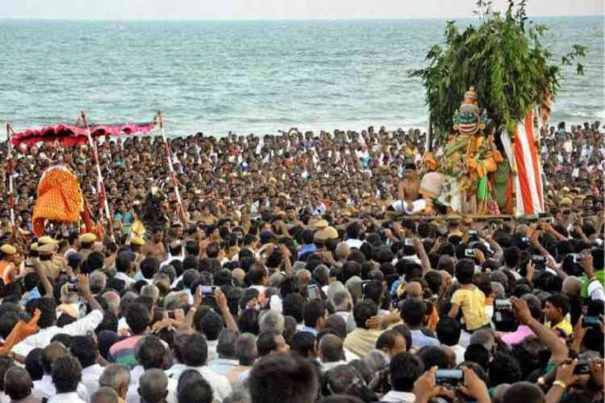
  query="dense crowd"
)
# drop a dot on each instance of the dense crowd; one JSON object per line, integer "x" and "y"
{"x": 286, "y": 277}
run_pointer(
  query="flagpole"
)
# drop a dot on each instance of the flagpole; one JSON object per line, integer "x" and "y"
{"x": 100, "y": 185}
{"x": 10, "y": 171}
{"x": 168, "y": 152}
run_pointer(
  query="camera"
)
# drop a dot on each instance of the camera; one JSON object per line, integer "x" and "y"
{"x": 469, "y": 253}
{"x": 592, "y": 322}
{"x": 208, "y": 290}
{"x": 576, "y": 257}
{"x": 582, "y": 368}
{"x": 449, "y": 377}
{"x": 408, "y": 242}
{"x": 313, "y": 292}
{"x": 537, "y": 259}
{"x": 504, "y": 318}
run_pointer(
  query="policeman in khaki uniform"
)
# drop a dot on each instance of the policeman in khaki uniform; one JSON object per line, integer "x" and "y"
{"x": 86, "y": 243}
{"x": 57, "y": 259}
{"x": 47, "y": 261}
{"x": 8, "y": 268}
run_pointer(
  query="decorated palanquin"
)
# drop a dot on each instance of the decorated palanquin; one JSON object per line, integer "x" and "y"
{"x": 60, "y": 199}
{"x": 459, "y": 175}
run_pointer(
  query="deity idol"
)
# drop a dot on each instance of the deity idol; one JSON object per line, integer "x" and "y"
{"x": 469, "y": 156}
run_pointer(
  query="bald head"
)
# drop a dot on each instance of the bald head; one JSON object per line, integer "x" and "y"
{"x": 485, "y": 338}
{"x": 116, "y": 377}
{"x": 524, "y": 392}
{"x": 153, "y": 386}
{"x": 304, "y": 276}
{"x": 113, "y": 301}
{"x": 17, "y": 383}
{"x": 499, "y": 392}
{"x": 330, "y": 348}
{"x": 342, "y": 251}
{"x": 97, "y": 281}
{"x": 498, "y": 290}
{"x": 413, "y": 289}
{"x": 104, "y": 395}
{"x": 50, "y": 354}
{"x": 151, "y": 291}
{"x": 239, "y": 275}
{"x": 572, "y": 286}
{"x": 522, "y": 230}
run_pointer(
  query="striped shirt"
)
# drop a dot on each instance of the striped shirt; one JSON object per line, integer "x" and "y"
{"x": 123, "y": 351}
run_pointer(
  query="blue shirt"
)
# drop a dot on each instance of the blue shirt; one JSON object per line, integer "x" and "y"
{"x": 309, "y": 330}
{"x": 222, "y": 365}
{"x": 33, "y": 294}
{"x": 126, "y": 220}
{"x": 420, "y": 340}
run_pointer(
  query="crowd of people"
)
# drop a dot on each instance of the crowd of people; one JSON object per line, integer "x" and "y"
{"x": 283, "y": 275}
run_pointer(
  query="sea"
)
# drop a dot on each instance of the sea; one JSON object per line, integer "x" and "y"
{"x": 247, "y": 77}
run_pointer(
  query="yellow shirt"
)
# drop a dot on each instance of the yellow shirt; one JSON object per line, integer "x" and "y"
{"x": 564, "y": 325}
{"x": 472, "y": 304}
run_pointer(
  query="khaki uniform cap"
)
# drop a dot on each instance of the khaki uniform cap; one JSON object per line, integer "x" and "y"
{"x": 330, "y": 233}
{"x": 8, "y": 249}
{"x": 46, "y": 240}
{"x": 46, "y": 249}
{"x": 321, "y": 224}
{"x": 88, "y": 238}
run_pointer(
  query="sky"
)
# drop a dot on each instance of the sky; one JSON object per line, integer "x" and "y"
{"x": 275, "y": 9}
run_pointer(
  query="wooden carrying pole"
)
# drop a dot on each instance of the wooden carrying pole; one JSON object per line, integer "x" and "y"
{"x": 10, "y": 167}
{"x": 100, "y": 185}
{"x": 173, "y": 179}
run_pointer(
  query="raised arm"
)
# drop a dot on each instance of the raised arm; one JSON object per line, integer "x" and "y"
{"x": 558, "y": 349}
{"x": 85, "y": 291}
{"x": 424, "y": 258}
{"x": 221, "y": 301}
{"x": 48, "y": 288}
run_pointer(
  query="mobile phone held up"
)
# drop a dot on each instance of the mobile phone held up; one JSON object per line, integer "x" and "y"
{"x": 592, "y": 322}
{"x": 449, "y": 377}
{"x": 313, "y": 292}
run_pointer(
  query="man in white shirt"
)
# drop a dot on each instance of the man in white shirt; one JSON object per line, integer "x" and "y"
{"x": 227, "y": 359}
{"x": 175, "y": 252}
{"x": 195, "y": 353}
{"x": 153, "y": 386}
{"x": 404, "y": 370}
{"x": 448, "y": 333}
{"x": 124, "y": 269}
{"x": 353, "y": 231}
{"x": 48, "y": 319}
{"x": 45, "y": 387}
{"x": 85, "y": 349}
{"x": 331, "y": 353}
{"x": 151, "y": 355}
{"x": 66, "y": 374}
{"x": 117, "y": 377}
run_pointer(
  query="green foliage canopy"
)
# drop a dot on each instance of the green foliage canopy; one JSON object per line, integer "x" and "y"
{"x": 503, "y": 58}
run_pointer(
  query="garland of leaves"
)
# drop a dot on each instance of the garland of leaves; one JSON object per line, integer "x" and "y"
{"x": 503, "y": 58}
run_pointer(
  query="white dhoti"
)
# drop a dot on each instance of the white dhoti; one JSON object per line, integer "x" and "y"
{"x": 409, "y": 208}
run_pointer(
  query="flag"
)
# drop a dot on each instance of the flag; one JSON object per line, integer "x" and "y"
{"x": 524, "y": 158}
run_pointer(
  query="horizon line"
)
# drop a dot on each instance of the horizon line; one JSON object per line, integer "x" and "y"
{"x": 369, "y": 18}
